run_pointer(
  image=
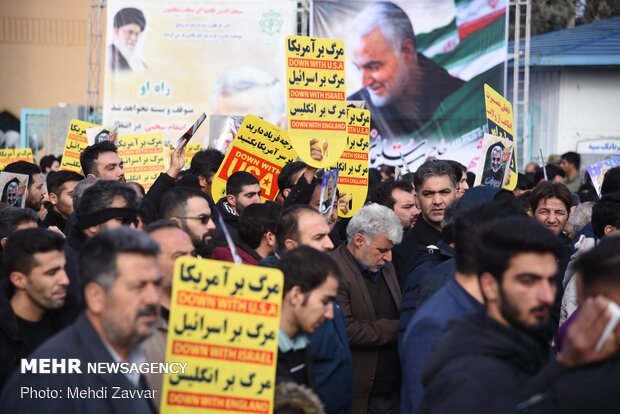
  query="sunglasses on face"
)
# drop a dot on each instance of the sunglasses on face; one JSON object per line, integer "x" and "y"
{"x": 204, "y": 219}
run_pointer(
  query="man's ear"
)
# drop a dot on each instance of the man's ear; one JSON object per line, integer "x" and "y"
{"x": 3, "y": 241}
{"x": 18, "y": 279}
{"x": 286, "y": 192}
{"x": 232, "y": 201}
{"x": 358, "y": 241}
{"x": 295, "y": 296}
{"x": 95, "y": 297}
{"x": 53, "y": 198}
{"x": 271, "y": 239}
{"x": 290, "y": 244}
{"x": 203, "y": 182}
{"x": 608, "y": 229}
{"x": 91, "y": 175}
{"x": 489, "y": 287}
{"x": 407, "y": 49}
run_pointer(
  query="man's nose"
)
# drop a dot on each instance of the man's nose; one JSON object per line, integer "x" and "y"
{"x": 329, "y": 312}
{"x": 327, "y": 244}
{"x": 547, "y": 293}
{"x": 152, "y": 293}
{"x": 387, "y": 256}
{"x": 210, "y": 225}
{"x": 367, "y": 78}
{"x": 64, "y": 279}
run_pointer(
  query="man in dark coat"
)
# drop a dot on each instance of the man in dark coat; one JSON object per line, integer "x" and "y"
{"x": 122, "y": 288}
{"x": 459, "y": 297}
{"x": 370, "y": 298}
{"x": 435, "y": 189}
{"x": 480, "y": 362}
{"x": 590, "y": 388}
{"x": 32, "y": 297}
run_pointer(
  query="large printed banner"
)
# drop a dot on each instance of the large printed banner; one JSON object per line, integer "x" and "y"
{"x": 422, "y": 80}
{"x": 169, "y": 61}
{"x": 77, "y": 141}
{"x": 8, "y": 156}
{"x": 262, "y": 150}
{"x": 143, "y": 157}
{"x": 316, "y": 99}
{"x": 500, "y": 124}
{"x": 353, "y": 163}
{"x": 224, "y": 324}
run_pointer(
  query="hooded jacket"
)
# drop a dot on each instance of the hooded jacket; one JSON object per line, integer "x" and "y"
{"x": 231, "y": 219}
{"x": 478, "y": 365}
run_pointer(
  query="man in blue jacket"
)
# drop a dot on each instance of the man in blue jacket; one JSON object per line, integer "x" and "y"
{"x": 459, "y": 297}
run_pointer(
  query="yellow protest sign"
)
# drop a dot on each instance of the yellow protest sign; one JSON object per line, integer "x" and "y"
{"x": 261, "y": 149}
{"x": 8, "y": 156}
{"x": 224, "y": 323}
{"x": 353, "y": 163}
{"x": 500, "y": 124}
{"x": 143, "y": 157}
{"x": 190, "y": 151}
{"x": 76, "y": 141}
{"x": 316, "y": 97}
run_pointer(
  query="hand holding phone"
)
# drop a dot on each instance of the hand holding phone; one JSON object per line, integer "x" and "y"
{"x": 611, "y": 324}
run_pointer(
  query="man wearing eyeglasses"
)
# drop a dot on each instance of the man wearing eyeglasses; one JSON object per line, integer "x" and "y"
{"x": 190, "y": 209}
{"x": 105, "y": 205}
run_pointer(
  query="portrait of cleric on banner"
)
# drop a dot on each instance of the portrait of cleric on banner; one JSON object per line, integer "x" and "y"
{"x": 124, "y": 52}
{"x": 418, "y": 66}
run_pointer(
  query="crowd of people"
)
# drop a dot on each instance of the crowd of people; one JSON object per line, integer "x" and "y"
{"x": 434, "y": 297}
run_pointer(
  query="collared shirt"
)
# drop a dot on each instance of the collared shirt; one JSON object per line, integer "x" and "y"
{"x": 285, "y": 344}
{"x": 136, "y": 356}
{"x": 374, "y": 276}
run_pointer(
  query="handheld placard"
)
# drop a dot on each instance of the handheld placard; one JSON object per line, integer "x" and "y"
{"x": 328, "y": 192}
{"x": 190, "y": 132}
{"x": 542, "y": 161}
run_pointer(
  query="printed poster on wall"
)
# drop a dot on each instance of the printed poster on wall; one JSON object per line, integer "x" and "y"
{"x": 262, "y": 150}
{"x": 224, "y": 323}
{"x": 167, "y": 62}
{"x": 423, "y": 88}
{"x": 316, "y": 100}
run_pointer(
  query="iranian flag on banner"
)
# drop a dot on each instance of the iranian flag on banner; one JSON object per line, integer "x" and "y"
{"x": 466, "y": 38}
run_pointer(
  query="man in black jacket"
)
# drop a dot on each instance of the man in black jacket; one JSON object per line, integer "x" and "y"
{"x": 479, "y": 363}
{"x": 60, "y": 187}
{"x": 591, "y": 388}
{"x": 435, "y": 189}
{"x": 242, "y": 189}
{"x": 32, "y": 297}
